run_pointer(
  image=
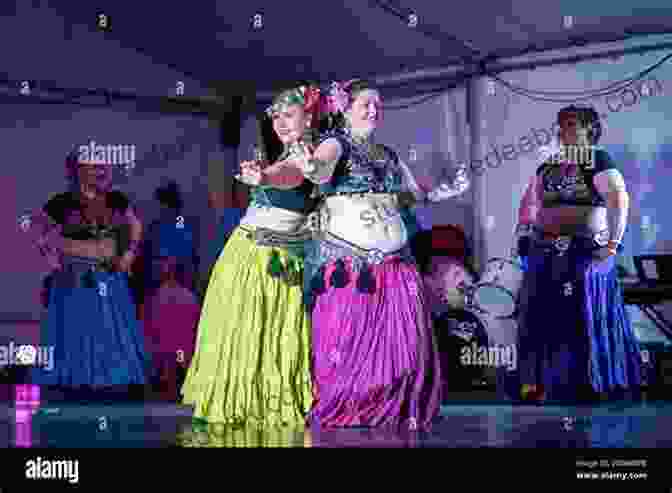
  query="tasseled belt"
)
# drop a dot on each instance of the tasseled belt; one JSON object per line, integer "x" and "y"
{"x": 333, "y": 248}
{"x": 292, "y": 243}
{"x": 268, "y": 237}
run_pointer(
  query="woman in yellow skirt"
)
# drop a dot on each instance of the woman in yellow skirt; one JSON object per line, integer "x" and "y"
{"x": 252, "y": 361}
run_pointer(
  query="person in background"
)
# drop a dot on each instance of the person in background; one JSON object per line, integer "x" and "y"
{"x": 575, "y": 337}
{"x": 170, "y": 318}
{"x": 91, "y": 316}
{"x": 229, "y": 199}
{"x": 171, "y": 235}
{"x": 444, "y": 262}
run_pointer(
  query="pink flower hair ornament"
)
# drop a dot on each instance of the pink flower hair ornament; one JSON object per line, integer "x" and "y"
{"x": 338, "y": 97}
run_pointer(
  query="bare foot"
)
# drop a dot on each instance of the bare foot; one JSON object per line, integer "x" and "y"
{"x": 307, "y": 438}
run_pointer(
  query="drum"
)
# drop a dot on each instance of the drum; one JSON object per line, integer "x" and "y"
{"x": 497, "y": 290}
{"x": 460, "y": 334}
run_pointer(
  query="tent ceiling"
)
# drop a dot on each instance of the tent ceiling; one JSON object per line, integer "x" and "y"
{"x": 215, "y": 42}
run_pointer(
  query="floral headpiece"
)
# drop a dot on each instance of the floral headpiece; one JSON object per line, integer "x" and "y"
{"x": 306, "y": 96}
{"x": 338, "y": 97}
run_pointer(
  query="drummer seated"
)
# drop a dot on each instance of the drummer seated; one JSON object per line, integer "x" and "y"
{"x": 441, "y": 254}
{"x": 443, "y": 261}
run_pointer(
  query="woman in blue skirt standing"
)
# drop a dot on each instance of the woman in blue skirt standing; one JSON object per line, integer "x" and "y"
{"x": 91, "y": 318}
{"x": 574, "y": 332}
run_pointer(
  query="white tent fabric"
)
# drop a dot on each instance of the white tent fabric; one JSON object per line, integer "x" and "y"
{"x": 271, "y": 42}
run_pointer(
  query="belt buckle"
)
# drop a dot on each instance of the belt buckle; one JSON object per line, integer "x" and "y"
{"x": 375, "y": 256}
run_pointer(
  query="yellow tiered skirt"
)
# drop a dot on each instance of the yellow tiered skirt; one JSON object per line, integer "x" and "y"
{"x": 252, "y": 359}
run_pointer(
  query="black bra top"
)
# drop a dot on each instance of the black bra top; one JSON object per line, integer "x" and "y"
{"x": 85, "y": 232}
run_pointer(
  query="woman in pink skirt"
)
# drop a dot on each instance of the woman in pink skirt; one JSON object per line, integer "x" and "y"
{"x": 375, "y": 361}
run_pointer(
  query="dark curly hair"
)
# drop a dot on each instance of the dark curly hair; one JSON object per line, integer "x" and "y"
{"x": 269, "y": 144}
{"x": 359, "y": 85}
{"x": 587, "y": 116}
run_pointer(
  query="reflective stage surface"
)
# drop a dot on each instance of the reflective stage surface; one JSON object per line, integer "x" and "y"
{"x": 126, "y": 424}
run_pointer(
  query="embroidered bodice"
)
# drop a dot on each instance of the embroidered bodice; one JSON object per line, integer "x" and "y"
{"x": 363, "y": 168}
{"x": 82, "y": 222}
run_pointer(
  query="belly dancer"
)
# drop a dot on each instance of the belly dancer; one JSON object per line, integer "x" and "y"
{"x": 574, "y": 332}
{"x": 252, "y": 359}
{"x": 375, "y": 361}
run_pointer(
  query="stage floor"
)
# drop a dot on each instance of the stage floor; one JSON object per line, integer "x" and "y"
{"x": 151, "y": 425}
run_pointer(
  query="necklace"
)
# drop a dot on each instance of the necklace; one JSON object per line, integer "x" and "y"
{"x": 367, "y": 146}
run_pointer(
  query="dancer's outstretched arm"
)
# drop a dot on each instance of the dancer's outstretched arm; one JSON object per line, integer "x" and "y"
{"x": 416, "y": 195}
{"x": 303, "y": 163}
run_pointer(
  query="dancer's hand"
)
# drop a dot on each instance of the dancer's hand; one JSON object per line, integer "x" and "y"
{"x": 301, "y": 157}
{"x": 283, "y": 175}
{"x": 125, "y": 262}
{"x": 448, "y": 190}
{"x": 250, "y": 173}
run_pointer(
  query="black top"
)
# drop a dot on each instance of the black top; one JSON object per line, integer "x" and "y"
{"x": 559, "y": 189}
{"x": 67, "y": 210}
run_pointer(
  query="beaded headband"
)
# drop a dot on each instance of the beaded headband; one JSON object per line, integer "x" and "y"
{"x": 306, "y": 96}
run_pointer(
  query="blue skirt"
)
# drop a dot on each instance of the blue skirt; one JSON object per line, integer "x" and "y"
{"x": 93, "y": 330}
{"x": 574, "y": 331}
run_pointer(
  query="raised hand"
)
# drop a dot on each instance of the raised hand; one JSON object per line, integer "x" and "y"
{"x": 446, "y": 191}
{"x": 250, "y": 173}
{"x": 301, "y": 156}
{"x": 284, "y": 174}
{"x": 125, "y": 262}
